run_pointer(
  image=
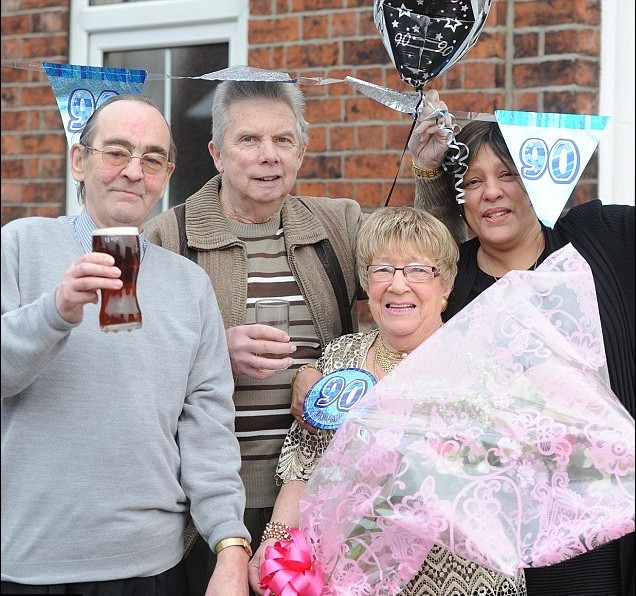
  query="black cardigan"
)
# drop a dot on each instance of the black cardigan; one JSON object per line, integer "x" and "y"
{"x": 604, "y": 235}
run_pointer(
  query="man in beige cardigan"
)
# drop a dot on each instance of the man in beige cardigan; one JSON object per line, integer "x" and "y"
{"x": 255, "y": 240}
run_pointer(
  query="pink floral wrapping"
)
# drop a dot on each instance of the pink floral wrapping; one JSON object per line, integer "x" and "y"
{"x": 498, "y": 438}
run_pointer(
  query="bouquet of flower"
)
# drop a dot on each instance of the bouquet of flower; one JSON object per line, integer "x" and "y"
{"x": 498, "y": 438}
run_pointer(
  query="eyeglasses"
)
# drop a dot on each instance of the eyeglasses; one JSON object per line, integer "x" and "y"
{"x": 151, "y": 163}
{"x": 414, "y": 273}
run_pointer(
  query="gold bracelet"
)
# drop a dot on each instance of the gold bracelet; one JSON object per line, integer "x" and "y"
{"x": 276, "y": 530}
{"x": 422, "y": 173}
{"x": 244, "y": 544}
{"x": 301, "y": 369}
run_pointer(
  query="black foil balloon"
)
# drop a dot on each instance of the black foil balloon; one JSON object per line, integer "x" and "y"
{"x": 426, "y": 37}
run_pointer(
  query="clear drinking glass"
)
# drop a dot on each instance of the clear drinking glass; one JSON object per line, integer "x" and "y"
{"x": 275, "y": 313}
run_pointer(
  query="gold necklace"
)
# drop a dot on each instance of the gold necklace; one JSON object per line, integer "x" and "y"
{"x": 541, "y": 248}
{"x": 386, "y": 359}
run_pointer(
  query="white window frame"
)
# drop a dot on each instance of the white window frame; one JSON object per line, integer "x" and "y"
{"x": 96, "y": 30}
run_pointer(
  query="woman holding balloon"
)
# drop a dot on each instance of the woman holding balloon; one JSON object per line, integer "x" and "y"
{"x": 506, "y": 235}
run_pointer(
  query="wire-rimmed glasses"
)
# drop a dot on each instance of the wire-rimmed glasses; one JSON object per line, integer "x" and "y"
{"x": 119, "y": 157}
{"x": 415, "y": 272}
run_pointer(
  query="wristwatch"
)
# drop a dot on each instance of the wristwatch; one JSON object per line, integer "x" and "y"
{"x": 233, "y": 542}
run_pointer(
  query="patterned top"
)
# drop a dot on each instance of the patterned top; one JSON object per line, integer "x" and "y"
{"x": 443, "y": 573}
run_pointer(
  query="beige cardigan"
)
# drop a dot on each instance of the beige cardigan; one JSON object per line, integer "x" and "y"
{"x": 306, "y": 222}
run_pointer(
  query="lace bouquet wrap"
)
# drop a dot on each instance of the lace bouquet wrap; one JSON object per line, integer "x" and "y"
{"x": 498, "y": 439}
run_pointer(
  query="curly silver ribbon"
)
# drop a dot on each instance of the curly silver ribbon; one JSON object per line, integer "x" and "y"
{"x": 456, "y": 158}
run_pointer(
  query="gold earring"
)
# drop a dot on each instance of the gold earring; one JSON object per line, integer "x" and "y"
{"x": 444, "y": 304}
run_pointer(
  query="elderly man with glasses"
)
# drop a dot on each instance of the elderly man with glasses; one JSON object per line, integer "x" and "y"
{"x": 109, "y": 439}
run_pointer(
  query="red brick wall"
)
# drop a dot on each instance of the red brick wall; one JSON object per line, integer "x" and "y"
{"x": 33, "y": 143}
{"x": 532, "y": 55}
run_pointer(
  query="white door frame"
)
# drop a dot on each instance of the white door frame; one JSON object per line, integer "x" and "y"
{"x": 96, "y": 30}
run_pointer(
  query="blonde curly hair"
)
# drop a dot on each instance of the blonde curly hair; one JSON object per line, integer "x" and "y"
{"x": 406, "y": 229}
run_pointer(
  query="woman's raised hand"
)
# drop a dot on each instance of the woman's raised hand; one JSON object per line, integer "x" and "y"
{"x": 428, "y": 141}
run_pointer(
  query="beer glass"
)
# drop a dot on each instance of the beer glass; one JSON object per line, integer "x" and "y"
{"x": 119, "y": 310}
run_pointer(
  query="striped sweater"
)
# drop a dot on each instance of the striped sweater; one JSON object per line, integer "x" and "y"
{"x": 239, "y": 258}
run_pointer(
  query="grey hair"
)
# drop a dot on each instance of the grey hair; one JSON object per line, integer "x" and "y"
{"x": 404, "y": 229}
{"x": 89, "y": 132}
{"x": 229, "y": 93}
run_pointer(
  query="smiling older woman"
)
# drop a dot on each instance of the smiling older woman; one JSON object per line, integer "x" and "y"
{"x": 407, "y": 262}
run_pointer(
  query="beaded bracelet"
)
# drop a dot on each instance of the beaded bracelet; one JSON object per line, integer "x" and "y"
{"x": 301, "y": 369}
{"x": 422, "y": 173}
{"x": 276, "y": 530}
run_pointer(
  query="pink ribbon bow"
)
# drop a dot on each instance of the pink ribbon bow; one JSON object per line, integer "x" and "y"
{"x": 287, "y": 569}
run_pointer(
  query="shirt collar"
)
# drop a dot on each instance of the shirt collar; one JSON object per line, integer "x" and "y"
{"x": 83, "y": 227}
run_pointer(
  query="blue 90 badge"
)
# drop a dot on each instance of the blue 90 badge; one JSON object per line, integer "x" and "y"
{"x": 329, "y": 400}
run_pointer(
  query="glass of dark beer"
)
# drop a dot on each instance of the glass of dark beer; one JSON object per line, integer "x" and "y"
{"x": 119, "y": 310}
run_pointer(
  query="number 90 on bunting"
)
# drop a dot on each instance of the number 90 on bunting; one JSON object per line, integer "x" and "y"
{"x": 562, "y": 160}
{"x": 550, "y": 152}
{"x": 80, "y": 90}
{"x": 329, "y": 400}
